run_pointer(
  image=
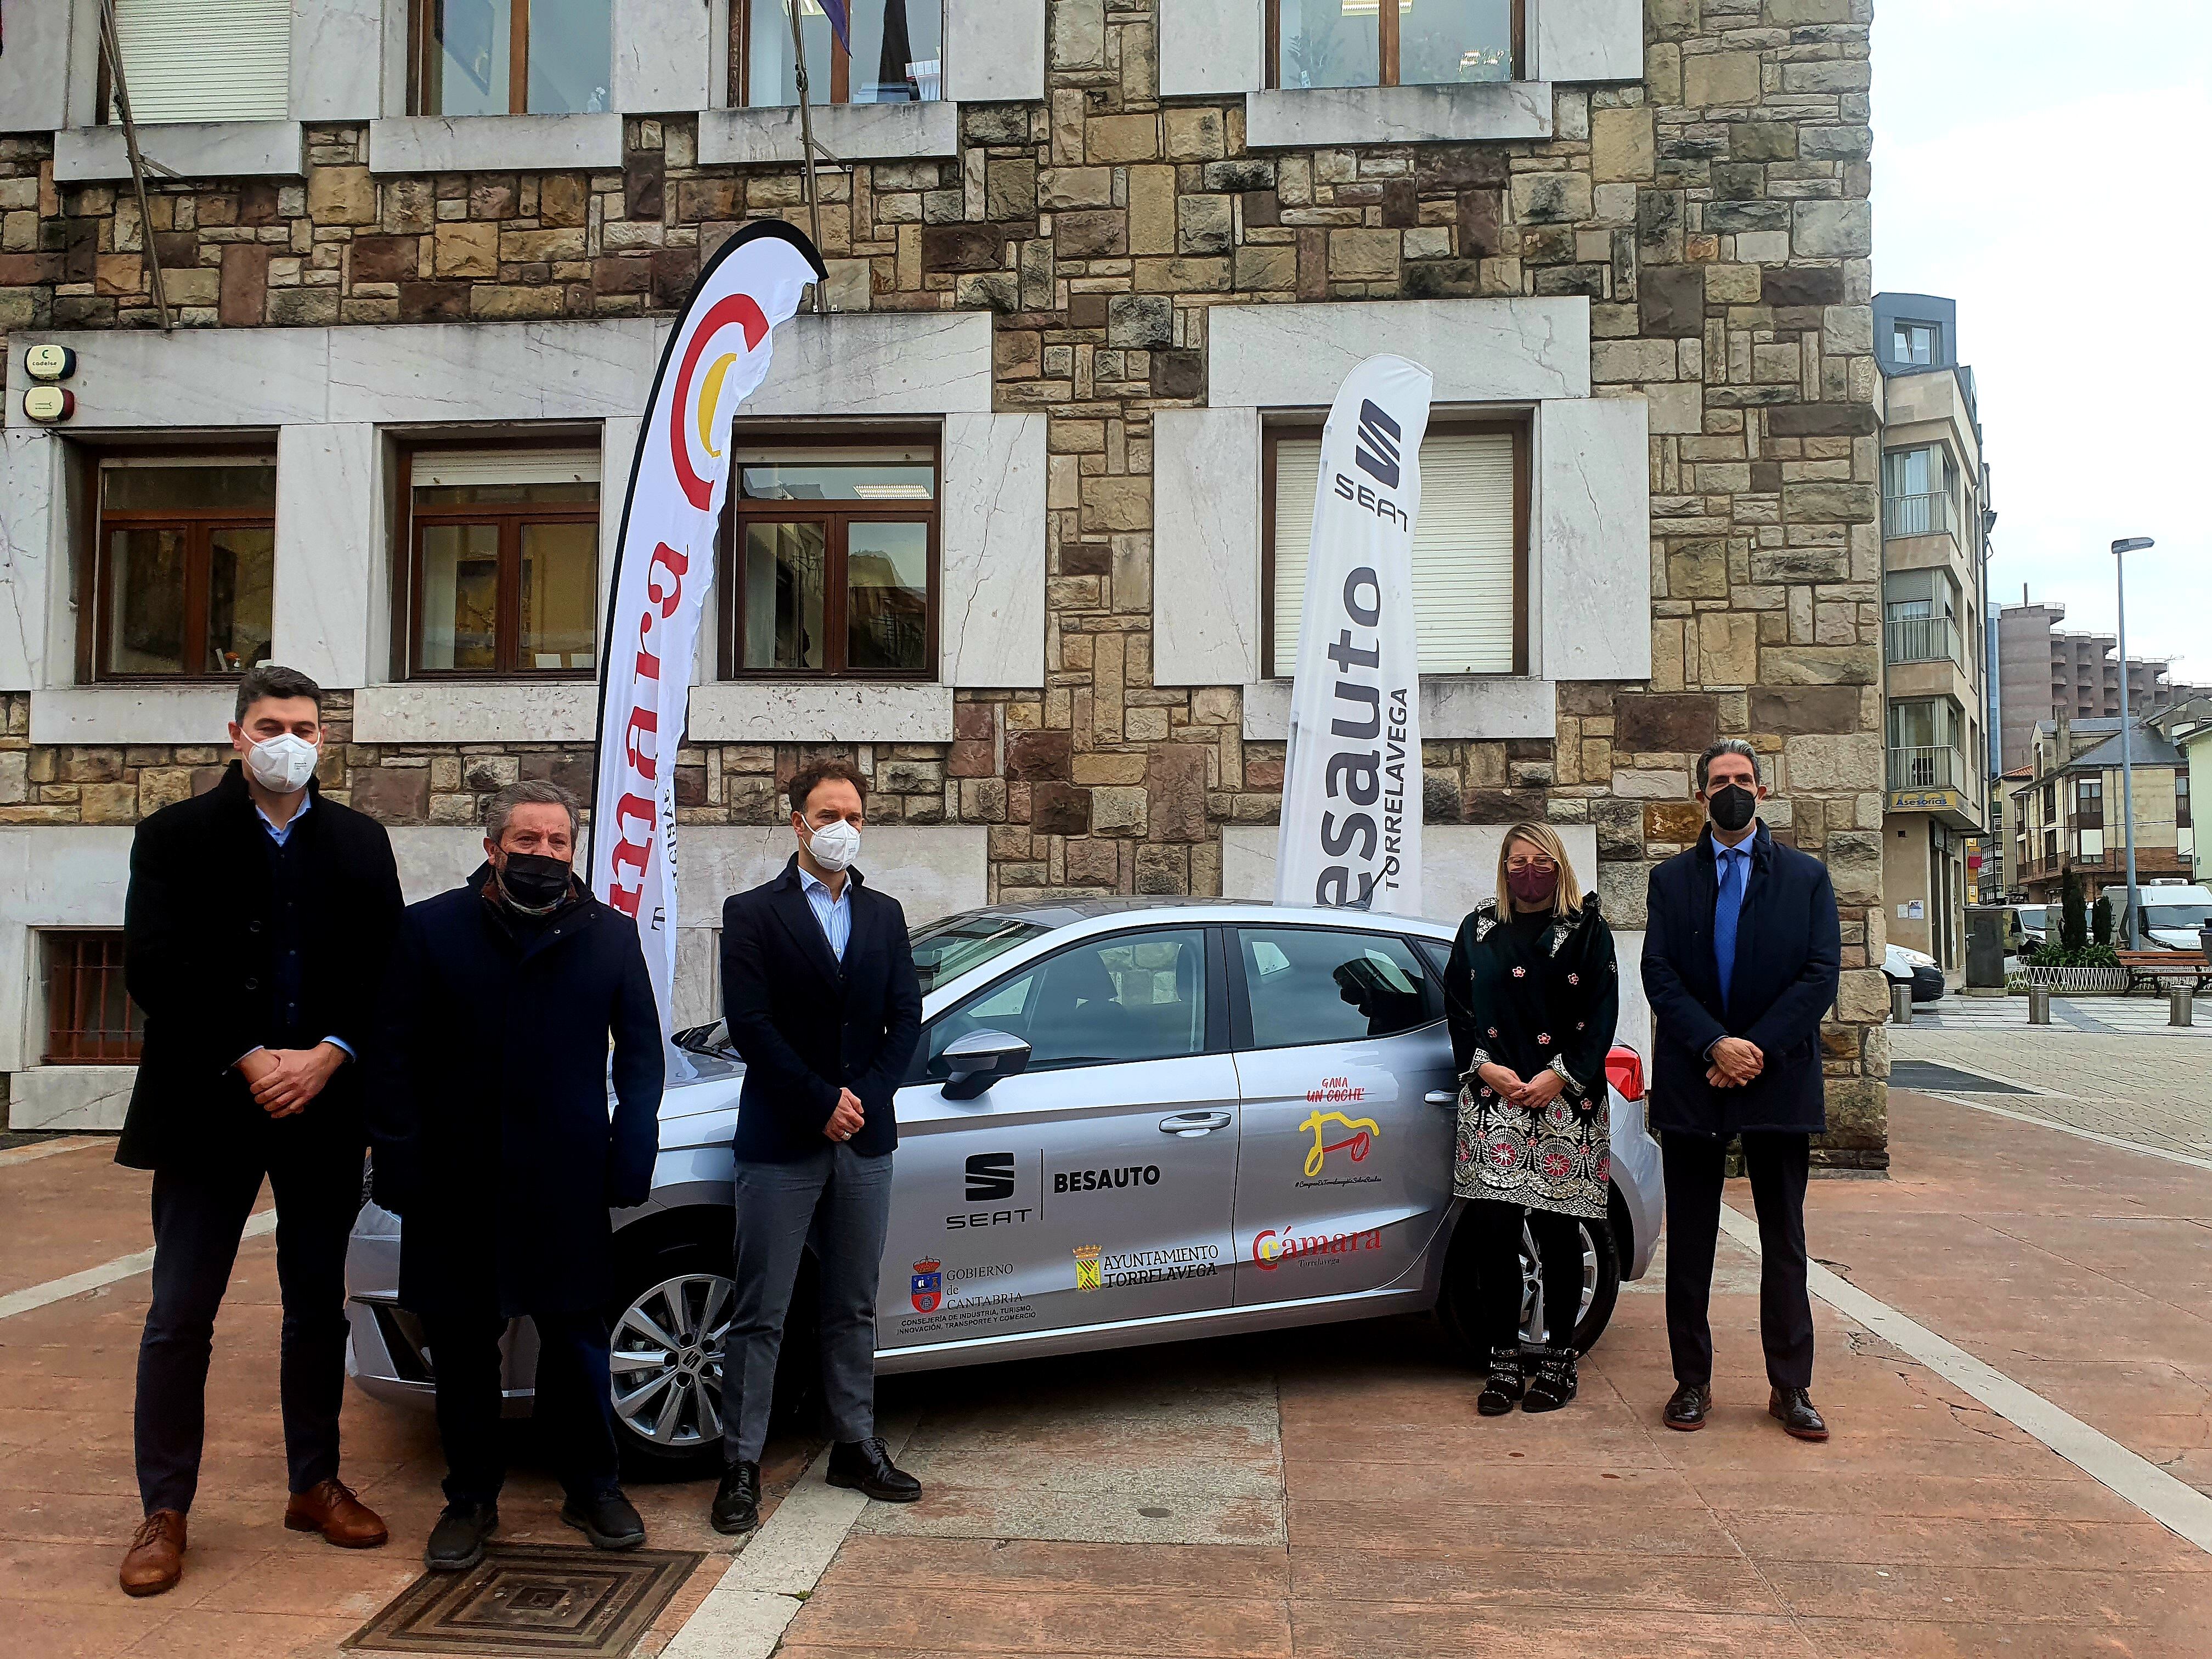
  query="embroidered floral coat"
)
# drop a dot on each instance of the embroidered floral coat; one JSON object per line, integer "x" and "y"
{"x": 1531, "y": 1000}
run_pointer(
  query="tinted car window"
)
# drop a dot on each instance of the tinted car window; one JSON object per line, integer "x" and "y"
{"x": 1129, "y": 997}
{"x": 1318, "y": 985}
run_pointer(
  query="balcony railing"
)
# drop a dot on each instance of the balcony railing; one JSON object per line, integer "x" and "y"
{"x": 1927, "y": 767}
{"x": 1916, "y": 515}
{"x": 1922, "y": 639}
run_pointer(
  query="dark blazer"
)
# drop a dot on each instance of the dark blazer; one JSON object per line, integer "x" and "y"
{"x": 199, "y": 956}
{"x": 1789, "y": 948}
{"x": 488, "y": 1101}
{"x": 807, "y": 1024}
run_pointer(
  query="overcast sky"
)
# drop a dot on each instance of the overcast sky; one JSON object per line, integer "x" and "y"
{"x": 2046, "y": 164}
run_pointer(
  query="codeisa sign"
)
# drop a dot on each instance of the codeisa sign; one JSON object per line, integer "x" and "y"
{"x": 717, "y": 356}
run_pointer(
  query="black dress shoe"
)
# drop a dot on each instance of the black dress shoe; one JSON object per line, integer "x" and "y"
{"x": 1686, "y": 1408}
{"x": 865, "y": 1464}
{"x": 737, "y": 1500}
{"x": 457, "y": 1543}
{"x": 610, "y": 1522}
{"x": 1794, "y": 1408}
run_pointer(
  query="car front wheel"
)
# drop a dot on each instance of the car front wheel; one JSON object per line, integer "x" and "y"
{"x": 1460, "y": 1305}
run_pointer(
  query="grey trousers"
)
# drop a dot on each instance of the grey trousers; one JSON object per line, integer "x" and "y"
{"x": 843, "y": 1202}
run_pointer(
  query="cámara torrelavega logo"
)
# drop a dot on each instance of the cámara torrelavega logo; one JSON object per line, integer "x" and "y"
{"x": 1272, "y": 1248}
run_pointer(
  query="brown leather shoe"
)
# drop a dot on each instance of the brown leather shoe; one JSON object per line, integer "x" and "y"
{"x": 330, "y": 1507}
{"x": 155, "y": 1559}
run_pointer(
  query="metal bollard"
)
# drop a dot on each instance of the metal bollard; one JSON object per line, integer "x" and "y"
{"x": 2039, "y": 1005}
{"x": 1900, "y": 1005}
{"x": 2180, "y": 1006}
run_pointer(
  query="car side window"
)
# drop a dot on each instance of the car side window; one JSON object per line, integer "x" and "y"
{"x": 1127, "y": 997}
{"x": 1322, "y": 985}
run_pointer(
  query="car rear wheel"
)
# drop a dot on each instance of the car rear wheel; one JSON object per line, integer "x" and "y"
{"x": 1460, "y": 1305}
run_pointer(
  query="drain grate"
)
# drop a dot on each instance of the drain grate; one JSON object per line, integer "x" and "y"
{"x": 526, "y": 1600}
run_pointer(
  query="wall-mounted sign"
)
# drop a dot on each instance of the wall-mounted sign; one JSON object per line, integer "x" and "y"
{"x": 49, "y": 404}
{"x": 50, "y": 362}
{"x": 1924, "y": 800}
{"x": 1912, "y": 911}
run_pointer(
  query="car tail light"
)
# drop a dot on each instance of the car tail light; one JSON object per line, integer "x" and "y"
{"x": 1624, "y": 1069}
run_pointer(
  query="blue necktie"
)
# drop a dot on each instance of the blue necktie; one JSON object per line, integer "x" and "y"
{"x": 1726, "y": 911}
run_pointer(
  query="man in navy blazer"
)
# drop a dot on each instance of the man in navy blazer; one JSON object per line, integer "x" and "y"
{"x": 823, "y": 1003}
{"x": 1741, "y": 961}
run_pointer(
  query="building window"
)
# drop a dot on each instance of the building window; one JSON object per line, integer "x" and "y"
{"x": 1917, "y": 490}
{"x": 503, "y": 563}
{"x": 2088, "y": 803}
{"x": 1915, "y": 345}
{"x": 2181, "y": 818}
{"x": 90, "y": 1018}
{"x": 1470, "y": 546}
{"x": 897, "y": 55}
{"x": 202, "y": 60}
{"x": 511, "y": 56}
{"x": 2050, "y": 844}
{"x": 1388, "y": 42}
{"x": 829, "y": 561}
{"x": 186, "y": 551}
{"x": 2050, "y": 801}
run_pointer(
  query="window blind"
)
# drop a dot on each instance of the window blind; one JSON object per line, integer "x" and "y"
{"x": 433, "y": 468}
{"x": 1464, "y": 550}
{"x": 206, "y": 60}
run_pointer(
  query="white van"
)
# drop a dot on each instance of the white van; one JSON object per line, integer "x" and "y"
{"x": 2172, "y": 915}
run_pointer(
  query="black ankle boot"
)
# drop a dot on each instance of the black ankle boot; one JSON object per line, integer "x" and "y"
{"x": 1554, "y": 1383}
{"x": 1508, "y": 1382}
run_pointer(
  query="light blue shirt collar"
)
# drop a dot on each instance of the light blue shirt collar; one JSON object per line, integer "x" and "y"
{"x": 281, "y": 836}
{"x": 836, "y": 915}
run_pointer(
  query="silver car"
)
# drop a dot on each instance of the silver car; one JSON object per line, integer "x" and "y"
{"x": 1128, "y": 1122}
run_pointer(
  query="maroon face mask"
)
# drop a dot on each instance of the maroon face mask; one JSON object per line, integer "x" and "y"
{"x": 1533, "y": 884}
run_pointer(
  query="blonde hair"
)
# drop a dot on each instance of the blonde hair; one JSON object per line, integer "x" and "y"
{"x": 1567, "y": 897}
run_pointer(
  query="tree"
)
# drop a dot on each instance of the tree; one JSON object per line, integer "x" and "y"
{"x": 2101, "y": 920}
{"x": 2074, "y": 918}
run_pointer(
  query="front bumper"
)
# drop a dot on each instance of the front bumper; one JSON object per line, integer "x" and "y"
{"x": 387, "y": 1355}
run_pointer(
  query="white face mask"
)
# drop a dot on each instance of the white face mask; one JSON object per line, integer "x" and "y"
{"x": 283, "y": 764}
{"x": 834, "y": 845}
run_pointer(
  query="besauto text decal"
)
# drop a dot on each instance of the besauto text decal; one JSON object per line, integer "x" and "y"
{"x": 1099, "y": 1180}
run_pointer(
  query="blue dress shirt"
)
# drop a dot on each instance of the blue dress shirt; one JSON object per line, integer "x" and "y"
{"x": 836, "y": 915}
{"x": 281, "y": 832}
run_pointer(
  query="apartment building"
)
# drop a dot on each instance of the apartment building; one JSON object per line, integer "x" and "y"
{"x": 1019, "y": 516}
{"x": 2188, "y": 726}
{"x": 2045, "y": 672}
{"x": 1936, "y": 519}
{"x": 2069, "y": 813}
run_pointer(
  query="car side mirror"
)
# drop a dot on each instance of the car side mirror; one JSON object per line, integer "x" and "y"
{"x": 980, "y": 1059}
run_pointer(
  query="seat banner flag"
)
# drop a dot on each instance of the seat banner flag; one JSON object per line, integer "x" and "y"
{"x": 1351, "y": 835}
{"x": 716, "y": 356}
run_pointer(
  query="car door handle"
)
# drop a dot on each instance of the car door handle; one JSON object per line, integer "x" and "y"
{"x": 1190, "y": 1124}
{"x": 1441, "y": 1098}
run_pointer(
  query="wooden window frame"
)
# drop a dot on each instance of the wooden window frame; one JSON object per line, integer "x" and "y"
{"x": 67, "y": 1040}
{"x": 421, "y": 44}
{"x": 2084, "y": 790}
{"x": 199, "y": 525}
{"x": 1388, "y": 45}
{"x": 737, "y": 513}
{"x": 506, "y": 625}
{"x": 1518, "y": 429}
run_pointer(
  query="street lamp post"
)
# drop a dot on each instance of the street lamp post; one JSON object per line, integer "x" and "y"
{"x": 2120, "y": 551}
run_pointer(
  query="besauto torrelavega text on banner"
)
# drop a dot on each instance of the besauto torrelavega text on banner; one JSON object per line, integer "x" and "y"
{"x": 717, "y": 356}
{"x": 1352, "y": 778}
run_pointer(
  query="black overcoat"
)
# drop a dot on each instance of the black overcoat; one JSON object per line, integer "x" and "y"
{"x": 488, "y": 1114}
{"x": 808, "y": 1024}
{"x": 1789, "y": 949}
{"x": 199, "y": 958}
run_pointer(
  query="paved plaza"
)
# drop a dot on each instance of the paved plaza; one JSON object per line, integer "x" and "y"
{"x": 2040, "y": 1243}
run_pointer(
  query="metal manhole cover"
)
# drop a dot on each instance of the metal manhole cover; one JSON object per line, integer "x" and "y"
{"x": 526, "y": 1599}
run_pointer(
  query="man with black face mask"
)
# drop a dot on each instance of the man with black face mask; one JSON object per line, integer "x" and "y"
{"x": 1741, "y": 961}
{"x": 493, "y": 1143}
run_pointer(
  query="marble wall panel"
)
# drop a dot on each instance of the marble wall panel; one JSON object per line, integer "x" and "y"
{"x": 1452, "y": 707}
{"x": 663, "y": 54}
{"x": 1212, "y": 45}
{"x": 330, "y": 544}
{"x": 1592, "y": 558}
{"x": 1586, "y": 40}
{"x": 125, "y": 712}
{"x": 338, "y": 49}
{"x": 994, "y": 50}
{"x": 463, "y": 143}
{"x": 1205, "y": 546}
{"x": 1302, "y": 116}
{"x": 30, "y": 485}
{"x": 202, "y": 150}
{"x": 1504, "y": 351}
{"x": 858, "y": 132}
{"x": 453, "y": 711}
{"x": 826, "y": 711}
{"x": 991, "y": 560}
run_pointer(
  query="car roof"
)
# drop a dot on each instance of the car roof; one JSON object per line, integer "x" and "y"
{"x": 1058, "y": 913}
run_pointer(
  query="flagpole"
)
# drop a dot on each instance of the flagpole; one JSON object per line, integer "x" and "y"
{"x": 806, "y": 141}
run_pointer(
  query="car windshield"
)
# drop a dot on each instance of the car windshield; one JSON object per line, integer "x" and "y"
{"x": 948, "y": 948}
{"x": 2031, "y": 915}
{"x": 2177, "y": 915}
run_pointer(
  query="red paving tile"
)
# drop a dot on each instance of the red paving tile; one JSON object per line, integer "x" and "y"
{"x": 70, "y": 1212}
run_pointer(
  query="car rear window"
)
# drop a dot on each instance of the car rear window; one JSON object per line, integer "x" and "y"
{"x": 949, "y": 946}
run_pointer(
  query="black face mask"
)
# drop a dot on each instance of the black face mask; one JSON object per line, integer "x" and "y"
{"x": 534, "y": 884}
{"x": 1732, "y": 807}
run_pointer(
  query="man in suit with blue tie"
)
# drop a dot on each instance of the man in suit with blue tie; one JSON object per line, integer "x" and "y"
{"x": 1740, "y": 965}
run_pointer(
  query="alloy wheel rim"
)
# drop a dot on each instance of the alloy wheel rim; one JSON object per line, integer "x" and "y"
{"x": 666, "y": 1360}
{"x": 1532, "y": 1285}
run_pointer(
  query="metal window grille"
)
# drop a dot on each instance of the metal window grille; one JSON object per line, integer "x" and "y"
{"x": 90, "y": 1018}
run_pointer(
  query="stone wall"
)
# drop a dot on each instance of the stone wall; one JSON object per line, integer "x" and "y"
{"x": 1715, "y": 216}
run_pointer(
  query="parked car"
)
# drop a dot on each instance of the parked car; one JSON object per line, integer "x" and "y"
{"x": 1914, "y": 968}
{"x": 2033, "y": 924}
{"x": 2172, "y": 914}
{"x": 1128, "y": 1122}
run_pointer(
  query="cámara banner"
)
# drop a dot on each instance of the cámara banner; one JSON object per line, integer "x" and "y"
{"x": 1352, "y": 777}
{"x": 717, "y": 354}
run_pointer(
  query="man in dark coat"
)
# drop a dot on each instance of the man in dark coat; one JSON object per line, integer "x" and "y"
{"x": 494, "y": 1143}
{"x": 1740, "y": 965}
{"x": 255, "y": 931}
{"x": 821, "y": 1000}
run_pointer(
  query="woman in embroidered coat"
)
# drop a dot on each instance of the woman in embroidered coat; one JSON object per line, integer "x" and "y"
{"x": 1533, "y": 993}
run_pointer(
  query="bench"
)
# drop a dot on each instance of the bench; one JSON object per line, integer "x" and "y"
{"x": 2160, "y": 970}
